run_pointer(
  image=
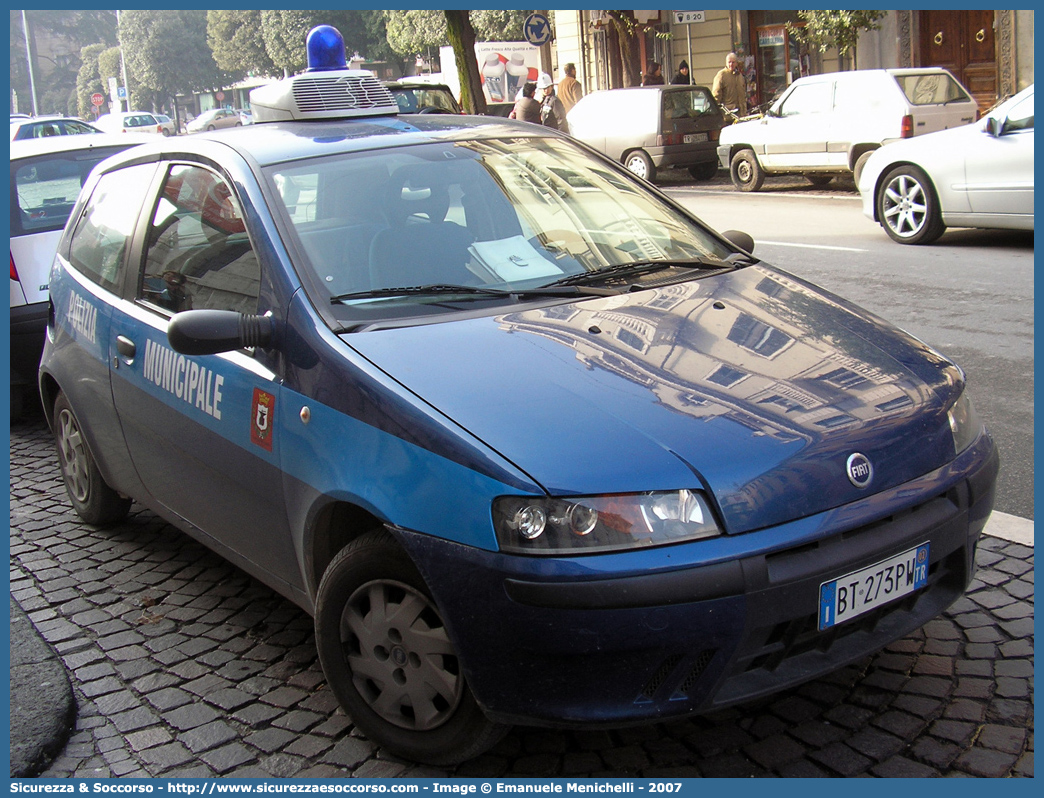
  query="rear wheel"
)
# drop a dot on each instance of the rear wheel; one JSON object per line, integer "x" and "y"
{"x": 210, "y": 127}
{"x": 908, "y": 208}
{"x": 704, "y": 171}
{"x": 94, "y": 501}
{"x": 819, "y": 180}
{"x": 389, "y": 660}
{"x": 746, "y": 172}
{"x": 639, "y": 163}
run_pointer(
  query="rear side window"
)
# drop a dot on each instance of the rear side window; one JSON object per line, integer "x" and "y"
{"x": 199, "y": 254}
{"x": 931, "y": 89}
{"x": 99, "y": 243}
{"x": 45, "y": 188}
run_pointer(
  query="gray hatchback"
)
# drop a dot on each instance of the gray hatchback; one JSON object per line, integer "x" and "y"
{"x": 650, "y": 127}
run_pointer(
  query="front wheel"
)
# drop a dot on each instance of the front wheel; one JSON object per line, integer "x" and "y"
{"x": 908, "y": 208}
{"x": 746, "y": 172}
{"x": 210, "y": 127}
{"x": 94, "y": 501}
{"x": 389, "y": 660}
{"x": 704, "y": 171}
{"x": 639, "y": 163}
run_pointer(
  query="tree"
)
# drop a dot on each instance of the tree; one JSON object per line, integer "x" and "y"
{"x": 838, "y": 29}
{"x": 623, "y": 49}
{"x": 57, "y": 38}
{"x": 462, "y": 38}
{"x": 236, "y": 41}
{"x": 88, "y": 79}
{"x": 167, "y": 52}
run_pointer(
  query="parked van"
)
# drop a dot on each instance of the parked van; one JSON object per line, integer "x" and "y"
{"x": 826, "y": 125}
{"x": 651, "y": 127}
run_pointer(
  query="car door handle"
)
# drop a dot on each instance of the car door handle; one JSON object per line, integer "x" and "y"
{"x": 125, "y": 346}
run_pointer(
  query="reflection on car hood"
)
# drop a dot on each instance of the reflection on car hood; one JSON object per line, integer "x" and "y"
{"x": 755, "y": 383}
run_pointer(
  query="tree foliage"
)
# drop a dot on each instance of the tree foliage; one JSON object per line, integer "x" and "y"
{"x": 235, "y": 38}
{"x": 413, "y": 32}
{"x": 167, "y": 51}
{"x": 838, "y": 29}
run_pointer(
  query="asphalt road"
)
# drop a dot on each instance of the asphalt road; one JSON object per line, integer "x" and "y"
{"x": 970, "y": 295}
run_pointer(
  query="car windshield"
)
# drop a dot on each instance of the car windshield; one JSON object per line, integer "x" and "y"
{"x": 510, "y": 214}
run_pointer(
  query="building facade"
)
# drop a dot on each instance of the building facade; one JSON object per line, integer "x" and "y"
{"x": 990, "y": 52}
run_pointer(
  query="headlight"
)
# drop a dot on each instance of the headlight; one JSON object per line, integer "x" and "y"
{"x": 591, "y": 524}
{"x": 964, "y": 424}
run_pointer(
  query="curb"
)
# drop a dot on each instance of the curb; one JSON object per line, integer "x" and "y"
{"x": 43, "y": 711}
{"x": 1010, "y": 527}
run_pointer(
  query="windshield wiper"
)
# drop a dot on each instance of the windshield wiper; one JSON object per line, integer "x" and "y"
{"x": 473, "y": 290}
{"x": 641, "y": 266}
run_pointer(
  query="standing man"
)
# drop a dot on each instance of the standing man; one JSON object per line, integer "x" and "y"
{"x": 681, "y": 77}
{"x": 552, "y": 112}
{"x": 570, "y": 90}
{"x": 730, "y": 87}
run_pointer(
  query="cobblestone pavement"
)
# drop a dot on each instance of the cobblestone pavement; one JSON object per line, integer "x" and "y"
{"x": 183, "y": 666}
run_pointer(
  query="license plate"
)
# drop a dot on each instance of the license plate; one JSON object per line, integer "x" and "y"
{"x": 694, "y": 138}
{"x": 859, "y": 592}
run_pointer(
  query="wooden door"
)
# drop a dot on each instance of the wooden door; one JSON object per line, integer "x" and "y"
{"x": 964, "y": 43}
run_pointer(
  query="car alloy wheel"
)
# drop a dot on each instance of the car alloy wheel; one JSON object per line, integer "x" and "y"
{"x": 73, "y": 455}
{"x": 907, "y": 207}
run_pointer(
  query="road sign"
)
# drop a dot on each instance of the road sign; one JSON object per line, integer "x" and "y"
{"x": 97, "y": 98}
{"x": 121, "y": 92}
{"x": 689, "y": 17}
{"x": 537, "y": 29}
{"x": 220, "y": 96}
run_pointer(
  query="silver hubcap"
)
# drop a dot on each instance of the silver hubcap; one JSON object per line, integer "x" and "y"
{"x": 743, "y": 172}
{"x": 74, "y": 457}
{"x": 400, "y": 656}
{"x": 904, "y": 206}
{"x": 637, "y": 165}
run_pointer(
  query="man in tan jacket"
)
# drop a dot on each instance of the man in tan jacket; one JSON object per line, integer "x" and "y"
{"x": 730, "y": 87}
{"x": 570, "y": 90}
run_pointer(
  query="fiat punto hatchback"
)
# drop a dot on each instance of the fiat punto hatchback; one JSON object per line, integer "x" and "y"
{"x": 532, "y": 444}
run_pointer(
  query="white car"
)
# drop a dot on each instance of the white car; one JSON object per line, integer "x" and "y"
{"x": 167, "y": 124}
{"x": 979, "y": 175}
{"x": 46, "y": 176}
{"x": 130, "y": 122}
{"x": 827, "y": 125}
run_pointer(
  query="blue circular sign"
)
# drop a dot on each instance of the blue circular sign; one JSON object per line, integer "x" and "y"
{"x": 537, "y": 29}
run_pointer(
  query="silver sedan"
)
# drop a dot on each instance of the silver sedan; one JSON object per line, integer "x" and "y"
{"x": 978, "y": 175}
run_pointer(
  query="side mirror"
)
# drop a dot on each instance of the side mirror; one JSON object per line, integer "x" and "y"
{"x": 209, "y": 332}
{"x": 740, "y": 239}
{"x": 994, "y": 126}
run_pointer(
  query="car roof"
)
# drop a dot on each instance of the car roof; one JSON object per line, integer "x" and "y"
{"x": 269, "y": 143}
{"x": 28, "y": 148}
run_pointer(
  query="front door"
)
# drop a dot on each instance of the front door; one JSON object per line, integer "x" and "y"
{"x": 200, "y": 428}
{"x": 964, "y": 43}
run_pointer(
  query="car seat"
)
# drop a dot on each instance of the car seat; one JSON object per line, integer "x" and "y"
{"x": 419, "y": 247}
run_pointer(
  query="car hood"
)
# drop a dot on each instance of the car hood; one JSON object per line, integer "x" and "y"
{"x": 755, "y": 385}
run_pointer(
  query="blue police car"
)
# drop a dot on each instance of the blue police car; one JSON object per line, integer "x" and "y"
{"x": 529, "y": 442}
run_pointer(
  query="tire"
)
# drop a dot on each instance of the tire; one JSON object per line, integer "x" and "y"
{"x": 639, "y": 163}
{"x": 857, "y": 169}
{"x": 907, "y": 207}
{"x": 704, "y": 171}
{"x": 745, "y": 171}
{"x": 94, "y": 501}
{"x": 210, "y": 127}
{"x": 380, "y": 637}
{"x": 166, "y": 133}
{"x": 819, "y": 180}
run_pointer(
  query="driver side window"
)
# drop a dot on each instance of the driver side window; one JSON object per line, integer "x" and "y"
{"x": 199, "y": 254}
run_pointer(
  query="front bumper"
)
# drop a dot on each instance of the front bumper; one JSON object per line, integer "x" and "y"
{"x": 542, "y": 642}
{"x": 725, "y": 155}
